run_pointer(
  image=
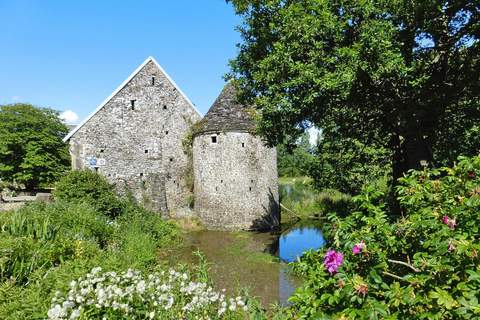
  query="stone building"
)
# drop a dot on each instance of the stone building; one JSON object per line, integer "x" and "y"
{"x": 236, "y": 181}
{"x": 134, "y": 138}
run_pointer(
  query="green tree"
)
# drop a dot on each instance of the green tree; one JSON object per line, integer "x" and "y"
{"x": 31, "y": 147}
{"x": 398, "y": 74}
{"x": 295, "y": 159}
{"x": 346, "y": 164}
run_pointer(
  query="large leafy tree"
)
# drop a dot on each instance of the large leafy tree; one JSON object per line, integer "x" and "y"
{"x": 397, "y": 74}
{"x": 31, "y": 147}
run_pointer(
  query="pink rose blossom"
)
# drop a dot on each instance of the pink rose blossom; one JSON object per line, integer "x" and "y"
{"x": 332, "y": 261}
{"x": 451, "y": 223}
{"x": 359, "y": 247}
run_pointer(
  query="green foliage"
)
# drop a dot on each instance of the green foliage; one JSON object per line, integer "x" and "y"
{"x": 31, "y": 148}
{"x": 300, "y": 197}
{"x": 424, "y": 265}
{"x": 399, "y": 75}
{"x": 41, "y": 236}
{"x": 295, "y": 159}
{"x": 346, "y": 164}
{"x": 89, "y": 186}
{"x": 45, "y": 246}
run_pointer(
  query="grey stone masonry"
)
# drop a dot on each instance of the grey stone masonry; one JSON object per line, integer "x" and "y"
{"x": 135, "y": 139}
{"x": 236, "y": 181}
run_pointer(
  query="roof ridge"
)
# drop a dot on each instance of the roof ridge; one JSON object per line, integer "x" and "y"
{"x": 121, "y": 86}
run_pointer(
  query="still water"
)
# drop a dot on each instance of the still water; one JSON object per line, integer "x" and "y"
{"x": 255, "y": 261}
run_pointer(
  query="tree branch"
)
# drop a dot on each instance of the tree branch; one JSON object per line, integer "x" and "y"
{"x": 404, "y": 264}
{"x": 394, "y": 276}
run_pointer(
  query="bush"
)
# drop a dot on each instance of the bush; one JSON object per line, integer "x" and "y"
{"x": 424, "y": 265}
{"x": 88, "y": 186}
{"x": 131, "y": 294}
{"x": 45, "y": 246}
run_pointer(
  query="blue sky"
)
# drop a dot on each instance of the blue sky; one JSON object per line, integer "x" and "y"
{"x": 71, "y": 55}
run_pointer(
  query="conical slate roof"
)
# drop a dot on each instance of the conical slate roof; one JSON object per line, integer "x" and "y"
{"x": 226, "y": 114}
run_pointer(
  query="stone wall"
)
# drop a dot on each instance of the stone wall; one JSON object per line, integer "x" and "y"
{"x": 236, "y": 182}
{"x": 138, "y": 145}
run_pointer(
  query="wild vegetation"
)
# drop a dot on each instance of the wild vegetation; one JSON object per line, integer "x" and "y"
{"x": 423, "y": 265}
{"x": 74, "y": 259}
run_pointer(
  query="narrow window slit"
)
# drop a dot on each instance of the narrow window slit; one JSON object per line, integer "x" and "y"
{"x": 243, "y": 145}
{"x": 132, "y": 104}
{"x": 214, "y": 139}
{"x": 164, "y": 107}
{"x": 153, "y": 81}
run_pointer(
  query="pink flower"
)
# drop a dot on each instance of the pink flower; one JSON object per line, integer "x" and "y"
{"x": 451, "y": 223}
{"x": 451, "y": 247}
{"x": 332, "y": 261}
{"x": 445, "y": 219}
{"x": 359, "y": 247}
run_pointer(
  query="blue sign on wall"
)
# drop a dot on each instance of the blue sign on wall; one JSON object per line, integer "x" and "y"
{"x": 93, "y": 162}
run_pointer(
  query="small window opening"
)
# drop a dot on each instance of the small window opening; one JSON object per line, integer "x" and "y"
{"x": 164, "y": 107}
{"x": 132, "y": 104}
{"x": 153, "y": 81}
{"x": 221, "y": 181}
{"x": 101, "y": 150}
{"x": 141, "y": 174}
{"x": 174, "y": 181}
{"x": 250, "y": 189}
{"x": 243, "y": 145}
{"x": 171, "y": 159}
{"x": 166, "y": 132}
{"x": 216, "y": 188}
{"x": 214, "y": 139}
{"x": 251, "y": 181}
{"x": 109, "y": 174}
{"x": 146, "y": 151}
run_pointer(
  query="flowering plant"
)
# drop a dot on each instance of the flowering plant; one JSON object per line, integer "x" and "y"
{"x": 420, "y": 265}
{"x": 160, "y": 295}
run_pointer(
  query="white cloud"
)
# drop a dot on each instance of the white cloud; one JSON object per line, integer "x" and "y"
{"x": 16, "y": 98}
{"x": 69, "y": 117}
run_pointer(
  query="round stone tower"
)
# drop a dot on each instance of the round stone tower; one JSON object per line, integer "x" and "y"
{"x": 236, "y": 181}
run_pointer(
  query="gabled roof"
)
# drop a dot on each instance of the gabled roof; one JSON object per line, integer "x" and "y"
{"x": 124, "y": 83}
{"x": 226, "y": 114}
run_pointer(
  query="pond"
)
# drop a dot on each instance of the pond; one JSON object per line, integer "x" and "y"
{"x": 251, "y": 260}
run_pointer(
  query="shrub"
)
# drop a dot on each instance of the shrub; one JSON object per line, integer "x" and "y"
{"x": 131, "y": 294}
{"x": 88, "y": 186}
{"x": 423, "y": 265}
{"x": 45, "y": 246}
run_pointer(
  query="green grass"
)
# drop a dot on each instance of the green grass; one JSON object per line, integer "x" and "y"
{"x": 45, "y": 246}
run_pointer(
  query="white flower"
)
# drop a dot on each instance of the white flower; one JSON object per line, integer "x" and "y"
{"x": 56, "y": 312}
{"x": 75, "y": 314}
{"x": 151, "y": 314}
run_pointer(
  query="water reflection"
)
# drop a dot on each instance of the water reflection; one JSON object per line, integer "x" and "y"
{"x": 296, "y": 241}
{"x": 241, "y": 260}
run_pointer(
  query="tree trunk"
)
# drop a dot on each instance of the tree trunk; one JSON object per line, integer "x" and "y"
{"x": 412, "y": 151}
